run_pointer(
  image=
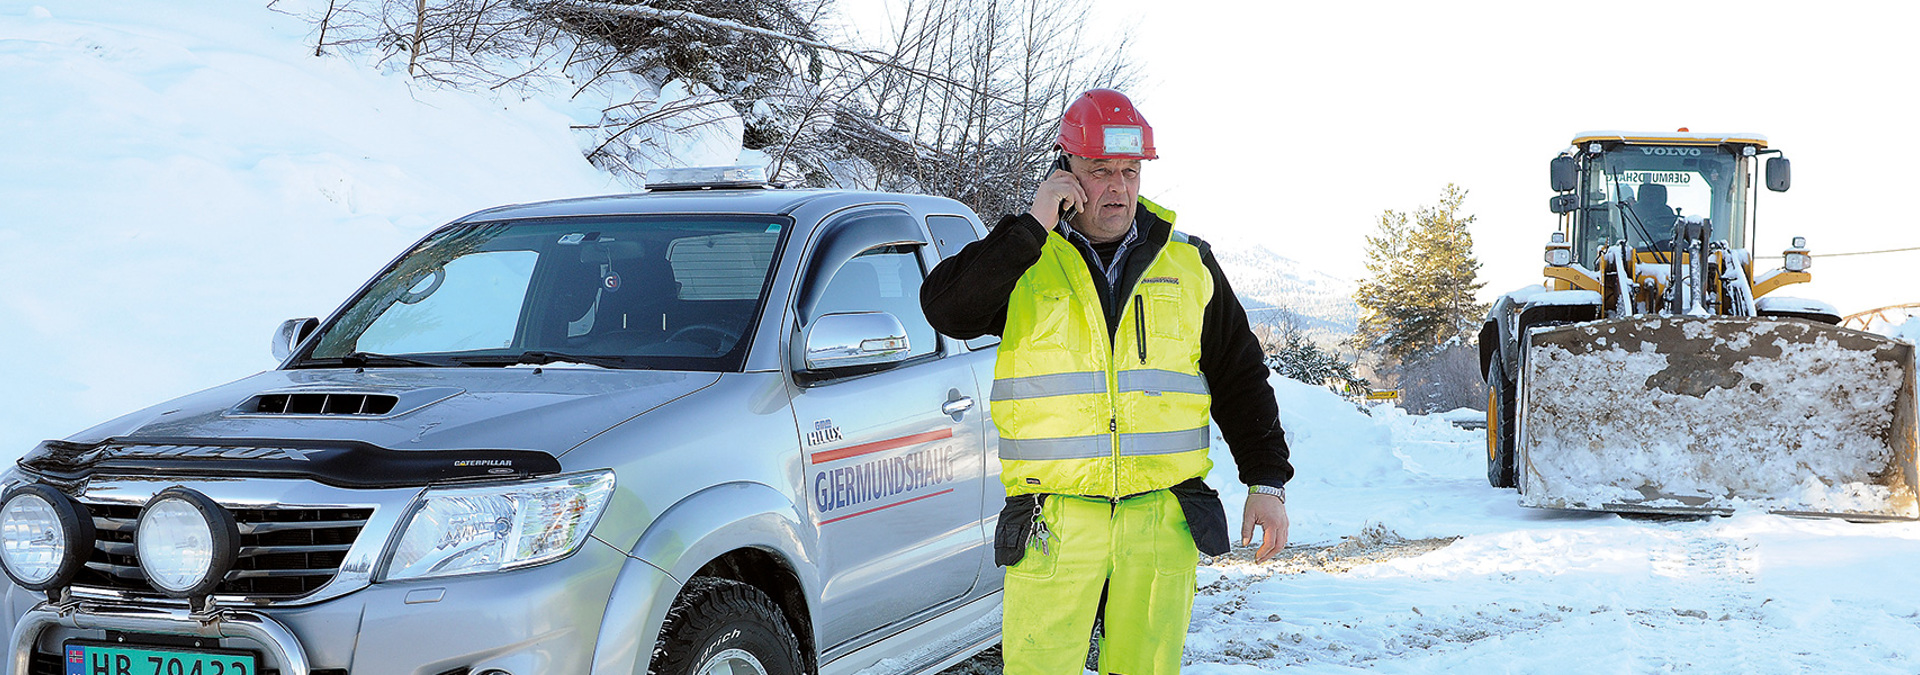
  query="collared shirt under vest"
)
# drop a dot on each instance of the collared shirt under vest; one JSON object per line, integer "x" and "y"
{"x": 1083, "y": 413}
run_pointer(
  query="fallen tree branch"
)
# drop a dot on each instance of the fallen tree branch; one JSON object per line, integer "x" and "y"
{"x": 593, "y": 7}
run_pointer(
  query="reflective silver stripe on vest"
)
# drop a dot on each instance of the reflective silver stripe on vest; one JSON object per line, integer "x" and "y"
{"x": 1041, "y": 386}
{"x": 1101, "y": 445}
{"x": 1163, "y": 443}
{"x": 1070, "y": 447}
{"x": 1153, "y": 381}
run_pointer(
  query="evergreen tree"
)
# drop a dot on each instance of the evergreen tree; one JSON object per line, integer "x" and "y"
{"x": 1419, "y": 296}
{"x": 1300, "y": 359}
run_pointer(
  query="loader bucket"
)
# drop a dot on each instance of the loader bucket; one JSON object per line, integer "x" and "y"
{"x": 1693, "y": 415}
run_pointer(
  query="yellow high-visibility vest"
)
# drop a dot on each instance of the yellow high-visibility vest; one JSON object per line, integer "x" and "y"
{"x": 1081, "y": 413}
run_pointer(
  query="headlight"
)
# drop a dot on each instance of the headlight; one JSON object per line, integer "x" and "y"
{"x": 1798, "y": 262}
{"x": 44, "y": 537}
{"x": 1559, "y": 257}
{"x": 468, "y": 530}
{"x": 186, "y": 542}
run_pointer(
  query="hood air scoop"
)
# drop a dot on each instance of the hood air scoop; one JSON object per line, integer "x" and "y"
{"x": 322, "y": 403}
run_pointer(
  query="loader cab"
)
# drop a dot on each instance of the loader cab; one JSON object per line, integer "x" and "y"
{"x": 1637, "y": 187}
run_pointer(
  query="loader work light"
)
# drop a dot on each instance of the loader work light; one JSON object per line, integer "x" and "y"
{"x": 1797, "y": 259}
{"x": 186, "y": 542}
{"x": 1559, "y": 253}
{"x": 44, "y": 537}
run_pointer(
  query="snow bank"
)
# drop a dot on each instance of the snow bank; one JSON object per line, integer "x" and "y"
{"x": 178, "y": 179}
{"x": 1353, "y": 468}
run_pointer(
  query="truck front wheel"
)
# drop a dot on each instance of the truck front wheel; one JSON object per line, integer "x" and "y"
{"x": 724, "y": 627}
{"x": 1499, "y": 425}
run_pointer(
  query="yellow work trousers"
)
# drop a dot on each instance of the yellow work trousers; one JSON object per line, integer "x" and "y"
{"x": 1140, "y": 551}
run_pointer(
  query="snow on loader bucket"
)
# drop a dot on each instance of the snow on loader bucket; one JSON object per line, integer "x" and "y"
{"x": 1693, "y": 415}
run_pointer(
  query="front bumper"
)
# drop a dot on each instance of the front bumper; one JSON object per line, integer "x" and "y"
{"x": 544, "y": 619}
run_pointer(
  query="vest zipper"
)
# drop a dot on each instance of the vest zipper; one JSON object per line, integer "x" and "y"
{"x": 1140, "y": 326}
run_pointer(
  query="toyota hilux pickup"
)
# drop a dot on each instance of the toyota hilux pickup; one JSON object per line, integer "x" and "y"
{"x": 700, "y": 429}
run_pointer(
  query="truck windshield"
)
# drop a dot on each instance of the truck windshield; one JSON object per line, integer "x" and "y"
{"x": 1638, "y": 192}
{"x": 669, "y": 292}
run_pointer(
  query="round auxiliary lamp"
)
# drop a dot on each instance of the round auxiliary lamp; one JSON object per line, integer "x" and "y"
{"x": 45, "y": 537}
{"x": 186, "y": 543}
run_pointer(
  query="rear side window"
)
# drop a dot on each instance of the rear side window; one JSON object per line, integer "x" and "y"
{"x": 950, "y": 234}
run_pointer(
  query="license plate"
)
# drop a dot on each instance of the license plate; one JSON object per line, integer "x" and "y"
{"x": 86, "y": 658}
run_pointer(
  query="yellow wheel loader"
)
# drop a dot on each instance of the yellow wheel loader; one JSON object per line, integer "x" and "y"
{"x": 1656, "y": 372}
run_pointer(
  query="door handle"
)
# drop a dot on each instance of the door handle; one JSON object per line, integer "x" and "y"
{"x": 957, "y": 406}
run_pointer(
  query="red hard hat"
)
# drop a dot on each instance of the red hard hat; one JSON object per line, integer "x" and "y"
{"x": 1102, "y": 124}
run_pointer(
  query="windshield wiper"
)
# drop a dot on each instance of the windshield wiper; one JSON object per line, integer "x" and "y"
{"x": 365, "y": 359}
{"x": 540, "y": 358}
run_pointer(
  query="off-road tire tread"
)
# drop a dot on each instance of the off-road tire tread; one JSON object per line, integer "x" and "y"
{"x": 707, "y": 602}
{"x": 1500, "y": 467}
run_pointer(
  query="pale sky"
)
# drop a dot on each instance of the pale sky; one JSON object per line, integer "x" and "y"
{"x": 1297, "y": 123}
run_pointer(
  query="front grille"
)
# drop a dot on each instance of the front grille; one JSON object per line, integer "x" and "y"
{"x": 321, "y": 404}
{"x": 284, "y": 553}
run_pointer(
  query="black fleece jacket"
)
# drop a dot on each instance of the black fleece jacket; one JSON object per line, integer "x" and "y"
{"x": 966, "y": 297}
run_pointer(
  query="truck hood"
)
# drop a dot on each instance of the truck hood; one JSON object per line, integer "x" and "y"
{"x": 548, "y": 410}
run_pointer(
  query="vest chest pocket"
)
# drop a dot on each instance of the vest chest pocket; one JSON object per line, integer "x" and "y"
{"x": 1053, "y": 321}
{"x": 1166, "y": 310}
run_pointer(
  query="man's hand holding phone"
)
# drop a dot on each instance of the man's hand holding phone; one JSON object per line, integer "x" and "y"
{"x": 1059, "y": 194}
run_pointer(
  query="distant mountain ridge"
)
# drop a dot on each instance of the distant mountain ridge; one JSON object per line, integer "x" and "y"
{"x": 1275, "y": 288}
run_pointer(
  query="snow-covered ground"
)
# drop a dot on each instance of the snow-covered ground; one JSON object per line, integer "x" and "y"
{"x": 1535, "y": 591}
{"x": 175, "y": 179}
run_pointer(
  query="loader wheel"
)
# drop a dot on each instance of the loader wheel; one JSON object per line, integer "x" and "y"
{"x": 1499, "y": 426}
{"x": 724, "y": 627}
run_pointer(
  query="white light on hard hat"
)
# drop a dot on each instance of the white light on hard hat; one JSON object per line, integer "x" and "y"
{"x": 1123, "y": 140}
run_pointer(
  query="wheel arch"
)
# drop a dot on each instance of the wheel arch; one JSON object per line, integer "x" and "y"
{"x": 746, "y": 532}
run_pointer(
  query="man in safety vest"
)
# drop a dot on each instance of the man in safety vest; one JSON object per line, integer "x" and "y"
{"x": 1119, "y": 336}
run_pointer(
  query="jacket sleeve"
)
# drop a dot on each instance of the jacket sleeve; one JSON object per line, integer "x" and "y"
{"x": 1236, "y": 372}
{"x": 965, "y": 296}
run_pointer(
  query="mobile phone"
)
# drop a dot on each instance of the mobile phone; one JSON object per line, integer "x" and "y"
{"x": 1067, "y": 211}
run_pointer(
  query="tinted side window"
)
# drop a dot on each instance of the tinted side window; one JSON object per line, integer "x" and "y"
{"x": 885, "y": 279}
{"x": 950, "y": 234}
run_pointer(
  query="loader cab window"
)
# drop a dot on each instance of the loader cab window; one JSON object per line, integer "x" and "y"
{"x": 1639, "y": 192}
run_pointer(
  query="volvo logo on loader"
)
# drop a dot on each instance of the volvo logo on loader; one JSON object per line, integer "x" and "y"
{"x": 1673, "y": 152}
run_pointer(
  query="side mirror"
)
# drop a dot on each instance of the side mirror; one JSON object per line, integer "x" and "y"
{"x": 1563, "y": 203}
{"x": 850, "y": 339}
{"x": 1779, "y": 174}
{"x": 292, "y": 332}
{"x": 1565, "y": 172}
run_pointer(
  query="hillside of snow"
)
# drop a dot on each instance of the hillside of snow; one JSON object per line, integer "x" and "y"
{"x": 175, "y": 184}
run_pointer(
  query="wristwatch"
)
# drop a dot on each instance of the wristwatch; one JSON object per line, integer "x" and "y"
{"x": 1266, "y": 490}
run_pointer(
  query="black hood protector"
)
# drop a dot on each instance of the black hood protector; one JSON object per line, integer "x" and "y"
{"x": 347, "y": 464}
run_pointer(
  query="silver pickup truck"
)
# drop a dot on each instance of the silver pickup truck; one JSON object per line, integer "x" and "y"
{"x": 702, "y": 429}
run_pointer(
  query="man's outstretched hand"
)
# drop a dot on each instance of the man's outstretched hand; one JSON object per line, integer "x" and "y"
{"x": 1270, "y": 515}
